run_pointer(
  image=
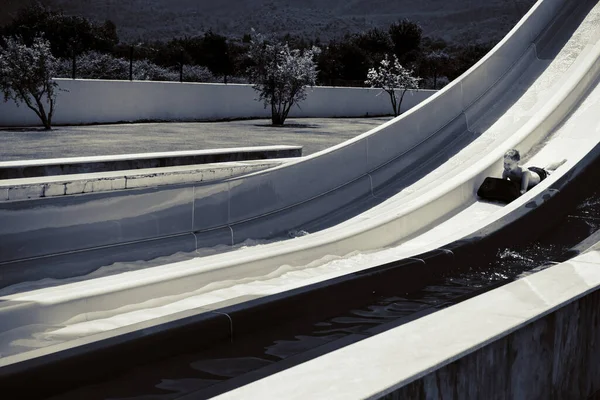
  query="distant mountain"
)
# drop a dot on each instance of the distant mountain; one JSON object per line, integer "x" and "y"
{"x": 454, "y": 20}
{"x": 8, "y": 8}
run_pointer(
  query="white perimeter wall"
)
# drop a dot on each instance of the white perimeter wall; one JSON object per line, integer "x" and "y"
{"x": 84, "y": 101}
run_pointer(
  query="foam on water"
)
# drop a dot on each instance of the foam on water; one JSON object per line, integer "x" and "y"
{"x": 89, "y": 323}
{"x": 122, "y": 267}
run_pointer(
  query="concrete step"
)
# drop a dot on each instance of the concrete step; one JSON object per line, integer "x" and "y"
{"x": 65, "y": 185}
{"x": 78, "y": 165}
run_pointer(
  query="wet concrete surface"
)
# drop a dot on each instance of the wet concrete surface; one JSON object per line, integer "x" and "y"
{"x": 314, "y": 134}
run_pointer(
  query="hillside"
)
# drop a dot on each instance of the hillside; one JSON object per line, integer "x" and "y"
{"x": 454, "y": 20}
{"x": 8, "y": 8}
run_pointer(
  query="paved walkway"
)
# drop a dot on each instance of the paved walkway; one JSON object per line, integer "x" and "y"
{"x": 314, "y": 134}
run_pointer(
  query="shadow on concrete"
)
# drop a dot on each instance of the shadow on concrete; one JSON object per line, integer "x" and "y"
{"x": 304, "y": 126}
{"x": 25, "y": 129}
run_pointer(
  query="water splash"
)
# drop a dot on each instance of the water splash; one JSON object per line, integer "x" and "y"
{"x": 299, "y": 233}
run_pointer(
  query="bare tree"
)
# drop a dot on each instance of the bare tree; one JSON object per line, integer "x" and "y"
{"x": 390, "y": 76}
{"x": 280, "y": 75}
{"x": 26, "y": 76}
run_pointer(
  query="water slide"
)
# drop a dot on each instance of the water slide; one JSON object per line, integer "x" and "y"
{"x": 402, "y": 189}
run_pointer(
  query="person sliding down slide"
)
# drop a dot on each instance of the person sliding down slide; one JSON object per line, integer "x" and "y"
{"x": 526, "y": 178}
{"x": 516, "y": 179}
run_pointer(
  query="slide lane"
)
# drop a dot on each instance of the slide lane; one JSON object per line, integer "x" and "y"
{"x": 344, "y": 180}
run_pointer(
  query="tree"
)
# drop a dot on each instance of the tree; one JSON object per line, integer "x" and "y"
{"x": 66, "y": 34}
{"x": 406, "y": 38}
{"x": 216, "y": 55}
{"x": 26, "y": 76}
{"x": 376, "y": 43}
{"x": 281, "y": 75}
{"x": 437, "y": 61}
{"x": 172, "y": 54}
{"x": 391, "y": 76}
{"x": 343, "y": 63}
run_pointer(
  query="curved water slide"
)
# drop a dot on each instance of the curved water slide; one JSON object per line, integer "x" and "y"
{"x": 512, "y": 97}
{"x": 409, "y": 184}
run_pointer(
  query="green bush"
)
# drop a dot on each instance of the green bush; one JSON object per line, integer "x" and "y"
{"x": 94, "y": 65}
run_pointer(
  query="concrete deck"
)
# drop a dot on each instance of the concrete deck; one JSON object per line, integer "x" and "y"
{"x": 313, "y": 134}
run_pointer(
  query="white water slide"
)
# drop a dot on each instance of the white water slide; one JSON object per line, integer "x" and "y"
{"x": 396, "y": 191}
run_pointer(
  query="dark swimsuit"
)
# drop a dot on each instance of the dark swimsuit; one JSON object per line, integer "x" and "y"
{"x": 540, "y": 171}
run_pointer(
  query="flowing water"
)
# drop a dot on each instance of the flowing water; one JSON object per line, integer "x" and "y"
{"x": 209, "y": 372}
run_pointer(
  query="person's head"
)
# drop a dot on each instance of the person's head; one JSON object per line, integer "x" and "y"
{"x": 511, "y": 160}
